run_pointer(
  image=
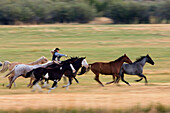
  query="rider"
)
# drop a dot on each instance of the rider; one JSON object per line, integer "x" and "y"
{"x": 56, "y": 55}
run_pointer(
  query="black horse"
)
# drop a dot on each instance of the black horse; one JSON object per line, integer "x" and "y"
{"x": 54, "y": 71}
{"x": 80, "y": 62}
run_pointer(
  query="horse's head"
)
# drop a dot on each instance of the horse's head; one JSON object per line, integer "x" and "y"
{"x": 127, "y": 59}
{"x": 149, "y": 59}
{"x": 84, "y": 62}
{"x": 43, "y": 60}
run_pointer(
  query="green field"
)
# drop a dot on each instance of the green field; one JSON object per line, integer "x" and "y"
{"x": 97, "y": 42}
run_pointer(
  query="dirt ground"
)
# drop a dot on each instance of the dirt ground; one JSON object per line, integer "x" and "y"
{"x": 109, "y": 97}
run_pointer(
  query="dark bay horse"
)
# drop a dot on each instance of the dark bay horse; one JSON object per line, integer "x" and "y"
{"x": 80, "y": 62}
{"x": 110, "y": 68}
{"x": 55, "y": 73}
{"x": 77, "y": 64}
{"x": 136, "y": 68}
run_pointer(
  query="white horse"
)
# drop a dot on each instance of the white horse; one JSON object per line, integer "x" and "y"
{"x": 8, "y": 65}
{"x": 22, "y": 69}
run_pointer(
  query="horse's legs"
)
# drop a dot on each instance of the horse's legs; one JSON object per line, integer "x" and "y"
{"x": 122, "y": 78}
{"x": 10, "y": 78}
{"x": 76, "y": 79}
{"x": 97, "y": 79}
{"x": 69, "y": 83}
{"x": 35, "y": 84}
{"x": 45, "y": 83}
{"x": 111, "y": 81}
{"x": 117, "y": 79}
{"x": 64, "y": 79}
{"x": 53, "y": 86}
{"x": 12, "y": 81}
{"x": 31, "y": 79}
{"x": 139, "y": 79}
{"x": 143, "y": 76}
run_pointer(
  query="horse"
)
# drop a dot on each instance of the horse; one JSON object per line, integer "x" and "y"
{"x": 136, "y": 68}
{"x": 8, "y": 65}
{"x": 110, "y": 68}
{"x": 54, "y": 71}
{"x": 22, "y": 69}
{"x": 80, "y": 62}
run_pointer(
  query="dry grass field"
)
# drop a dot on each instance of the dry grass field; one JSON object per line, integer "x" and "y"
{"x": 98, "y": 43}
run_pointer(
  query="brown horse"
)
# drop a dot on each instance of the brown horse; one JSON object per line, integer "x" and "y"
{"x": 110, "y": 68}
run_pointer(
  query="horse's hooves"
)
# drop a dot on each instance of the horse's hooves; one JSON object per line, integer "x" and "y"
{"x": 40, "y": 91}
{"x": 7, "y": 86}
{"x": 107, "y": 83}
{"x": 32, "y": 90}
{"x": 118, "y": 85}
{"x": 63, "y": 86}
{"x": 3, "y": 85}
{"x": 102, "y": 85}
{"x": 49, "y": 91}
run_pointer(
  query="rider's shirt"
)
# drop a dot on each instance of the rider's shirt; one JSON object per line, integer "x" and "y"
{"x": 57, "y": 56}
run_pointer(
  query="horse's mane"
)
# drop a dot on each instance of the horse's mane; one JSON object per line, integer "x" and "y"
{"x": 139, "y": 59}
{"x": 69, "y": 59}
{"x": 117, "y": 59}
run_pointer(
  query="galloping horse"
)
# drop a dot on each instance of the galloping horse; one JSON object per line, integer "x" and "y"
{"x": 22, "y": 69}
{"x": 8, "y": 65}
{"x": 136, "y": 68}
{"x": 110, "y": 68}
{"x": 77, "y": 64}
{"x": 54, "y": 71}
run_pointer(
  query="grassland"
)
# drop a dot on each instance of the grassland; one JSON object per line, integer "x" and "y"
{"x": 97, "y": 43}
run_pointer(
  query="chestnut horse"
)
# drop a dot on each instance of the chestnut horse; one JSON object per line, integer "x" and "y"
{"x": 110, "y": 68}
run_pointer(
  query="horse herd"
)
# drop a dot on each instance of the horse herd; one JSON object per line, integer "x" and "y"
{"x": 42, "y": 69}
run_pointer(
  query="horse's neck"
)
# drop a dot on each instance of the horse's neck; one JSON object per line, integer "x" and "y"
{"x": 43, "y": 65}
{"x": 46, "y": 64}
{"x": 36, "y": 62}
{"x": 76, "y": 66}
{"x": 119, "y": 63}
{"x": 142, "y": 62}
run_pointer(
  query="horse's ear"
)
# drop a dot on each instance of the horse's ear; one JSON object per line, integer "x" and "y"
{"x": 147, "y": 55}
{"x": 124, "y": 54}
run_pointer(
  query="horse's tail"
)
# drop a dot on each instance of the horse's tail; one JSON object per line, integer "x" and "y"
{"x": 5, "y": 66}
{"x": 28, "y": 74}
{"x": 85, "y": 70}
{"x": 9, "y": 72}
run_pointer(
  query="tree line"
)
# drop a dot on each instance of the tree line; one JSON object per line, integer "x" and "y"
{"x": 83, "y": 11}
